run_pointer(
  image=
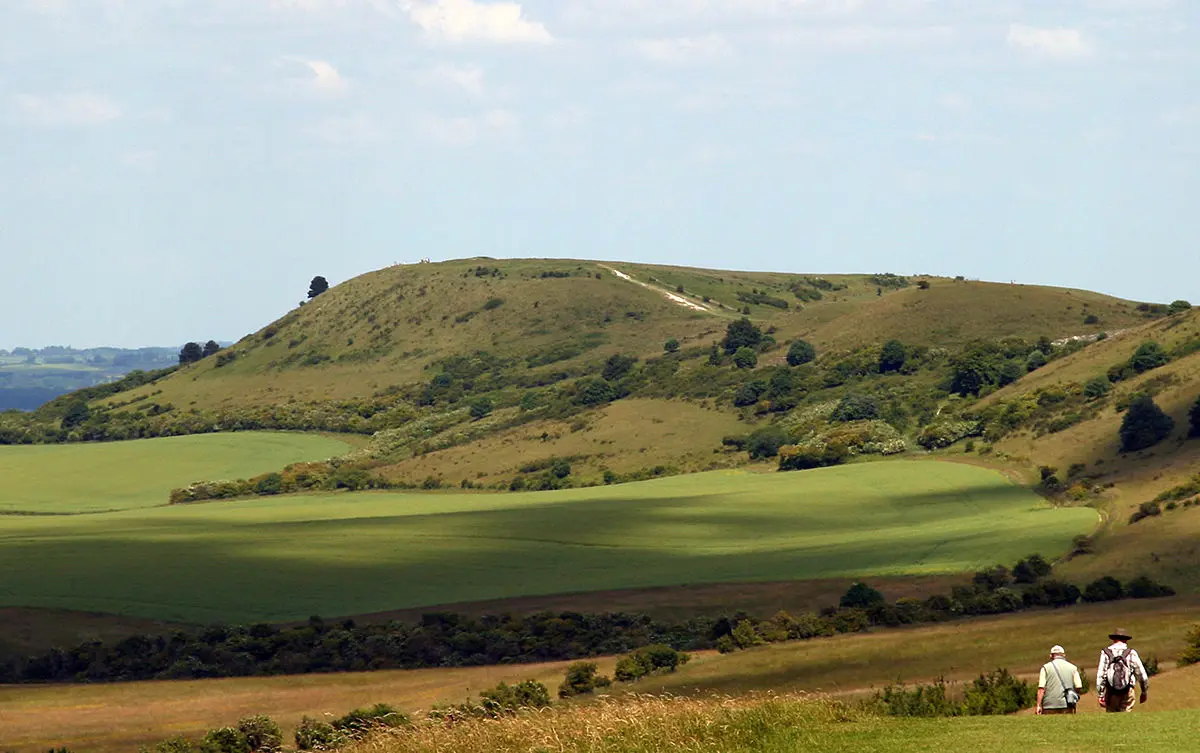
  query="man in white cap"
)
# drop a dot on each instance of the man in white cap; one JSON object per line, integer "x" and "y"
{"x": 1059, "y": 685}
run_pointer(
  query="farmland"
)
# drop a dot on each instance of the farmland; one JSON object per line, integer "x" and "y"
{"x": 338, "y": 554}
{"x": 107, "y": 718}
{"x": 92, "y": 478}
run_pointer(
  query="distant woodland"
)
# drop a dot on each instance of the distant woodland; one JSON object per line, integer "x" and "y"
{"x": 31, "y": 377}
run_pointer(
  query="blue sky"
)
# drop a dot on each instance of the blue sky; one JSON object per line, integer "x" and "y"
{"x": 179, "y": 169}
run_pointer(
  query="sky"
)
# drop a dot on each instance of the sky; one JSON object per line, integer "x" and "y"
{"x": 175, "y": 170}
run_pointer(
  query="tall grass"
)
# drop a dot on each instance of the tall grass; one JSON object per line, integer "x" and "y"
{"x": 638, "y": 724}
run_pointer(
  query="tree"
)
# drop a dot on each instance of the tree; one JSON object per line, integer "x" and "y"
{"x": 671, "y": 346}
{"x": 481, "y": 407}
{"x": 1194, "y": 419}
{"x": 741, "y": 334}
{"x": 1036, "y": 360}
{"x": 861, "y": 596}
{"x": 800, "y": 352}
{"x": 745, "y": 358}
{"x": 582, "y": 677}
{"x": 1144, "y": 425}
{"x": 318, "y": 286}
{"x": 76, "y": 415}
{"x": 892, "y": 357}
{"x": 765, "y": 442}
{"x": 1149, "y": 355}
{"x": 191, "y": 353}
{"x": 1097, "y": 387}
{"x": 1180, "y": 306}
{"x": 594, "y": 391}
{"x": 749, "y": 393}
{"x": 973, "y": 371}
{"x": 211, "y": 348}
{"x": 1010, "y": 372}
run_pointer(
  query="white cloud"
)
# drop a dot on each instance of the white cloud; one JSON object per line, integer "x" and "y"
{"x": 860, "y": 38}
{"x": 66, "y": 110}
{"x": 1059, "y": 44}
{"x": 317, "y": 76}
{"x": 683, "y": 50}
{"x": 466, "y": 78}
{"x": 470, "y": 21}
{"x": 468, "y": 130}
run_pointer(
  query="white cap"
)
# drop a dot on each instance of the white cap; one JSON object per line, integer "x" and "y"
{"x": 1058, "y": 650}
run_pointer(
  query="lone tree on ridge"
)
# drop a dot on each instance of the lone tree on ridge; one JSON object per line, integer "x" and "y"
{"x": 318, "y": 286}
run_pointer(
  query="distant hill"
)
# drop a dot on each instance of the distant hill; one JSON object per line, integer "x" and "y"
{"x": 31, "y": 377}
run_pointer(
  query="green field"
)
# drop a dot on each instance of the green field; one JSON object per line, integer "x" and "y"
{"x": 340, "y": 554}
{"x": 121, "y": 475}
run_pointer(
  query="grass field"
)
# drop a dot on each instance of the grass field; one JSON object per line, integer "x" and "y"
{"x": 341, "y": 554}
{"x": 81, "y": 478}
{"x": 112, "y": 718}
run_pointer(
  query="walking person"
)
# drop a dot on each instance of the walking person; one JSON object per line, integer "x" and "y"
{"x": 1119, "y": 670}
{"x": 1059, "y": 685}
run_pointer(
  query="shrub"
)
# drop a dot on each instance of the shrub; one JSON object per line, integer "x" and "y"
{"x": 765, "y": 442}
{"x": 671, "y": 346}
{"x": 1097, "y": 388}
{"x": 923, "y": 284}
{"x": 647, "y": 661}
{"x": 749, "y": 393}
{"x": 359, "y": 722}
{"x": 262, "y": 734}
{"x": 481, "y": 407}
{"x": 1031, "y": 569}
{"x": 745, "y": 358}
{"x": 225, "y": 740}
{"x": 1082, "y": 544}
{"x": 800, "y": 352}
{"x": 174, "y": 745}
{"x": 1149, "y": 355}
{"x": 1145, "y": 510}
{"x": 272, "y": 483}
{"x": 921, "y": 701}
{"x": 855, "y": 407}
{"x": 998, "y": 693}
{"x": 1194, "y": 419}
{"x": 617, "y": 366}
{"x": 1091, "y": 319}
{"x": 810, "y": 455}
{"x": 861, "y": 596}
{"x": 1010, "y": 372}
{"x": 1035, "y": 361}
{"x": 1051, "y": 593}
{"x": 1191, "y": 651}
{"x": 1142, "y": 587}
{"x": 947, "y": 432}
{"x": 593, "y": 391}
{"x": 314, "y": 734}
{"x": 1179, "y": 306}
{"x": 745, "y": 635}
{"x": 506, "y": 699}
{"x": 493, "y": 303}
{"x": 1106, "y": 588}
{"x": 1144, "y": 425}
{"x": 582, "y": 678}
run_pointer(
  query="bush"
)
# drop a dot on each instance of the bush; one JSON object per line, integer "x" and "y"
{"x": 593, "y": 391}
{"x": 174, "y": 745}
{"x": 1191, "y": 651}
{"x": 647, "y": 661}
{"x": 921, "y": 701}
{"x": 765, "y": 442}
{"x": 998, "y": 693}
{"x": 1051, "y": 593}
{"x": 1097, "y": 388}
{"x": 1145, "y": 510}
{"x": 1149, "y": 355}
{"x": 800, "y": 352}
{"x": 225, "y": 740}
{"x": 481, "y": 407}
{"x": 1107, "y": 588}
{"x": 506, "y": 699}
{"x": 270, "y": 484}
{"x": 749, "y": 393}
{"x": 582, "y": 678}
{"x": 892, "y": 357}
{"x": 359, "y": 722}
{"x": 671, "y": 346}
{"x": 493, "y": 303}
{"x": 810, "y": 455}
{"x": 855, "y": 407}
{"x": 1180, "y": 306}
{"x": 745, "y": 358}
{"x": 1010, "y": 372}
{"x": 741, "y": 334}
{"x": 314, "y": 734}
{"x": 1035, "y": 361}
{"x": 617, "y": 366}
{"x": 1031, "y": 569}
{"x": 1144, "y": 425}
{"x": 1142, "y": 587}
{"x": 945, "y": 433}
{"x": 262, "y": 734}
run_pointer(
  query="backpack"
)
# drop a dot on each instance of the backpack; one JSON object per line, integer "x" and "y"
{"x": 1118, "y": 677}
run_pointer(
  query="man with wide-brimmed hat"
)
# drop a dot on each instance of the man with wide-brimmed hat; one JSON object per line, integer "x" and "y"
{"x": 1059, "y": 685}
{"x": 1119, "y": 670}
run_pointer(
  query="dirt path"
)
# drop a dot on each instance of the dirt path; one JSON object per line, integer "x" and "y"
{"x": 672, "y": 297}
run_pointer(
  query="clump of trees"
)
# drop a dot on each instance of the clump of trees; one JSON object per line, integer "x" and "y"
{"x": 1144, "y": 425}
{"x": 318, "y": 286}
{"x": 193, "y": 351}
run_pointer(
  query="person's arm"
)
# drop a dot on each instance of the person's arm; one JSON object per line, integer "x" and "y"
{"x": 1078, "y": 682}
{"x": 1142, "y": 675}
{"x": 1041, "y": 690}
{"x": 1100, "y": 670}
